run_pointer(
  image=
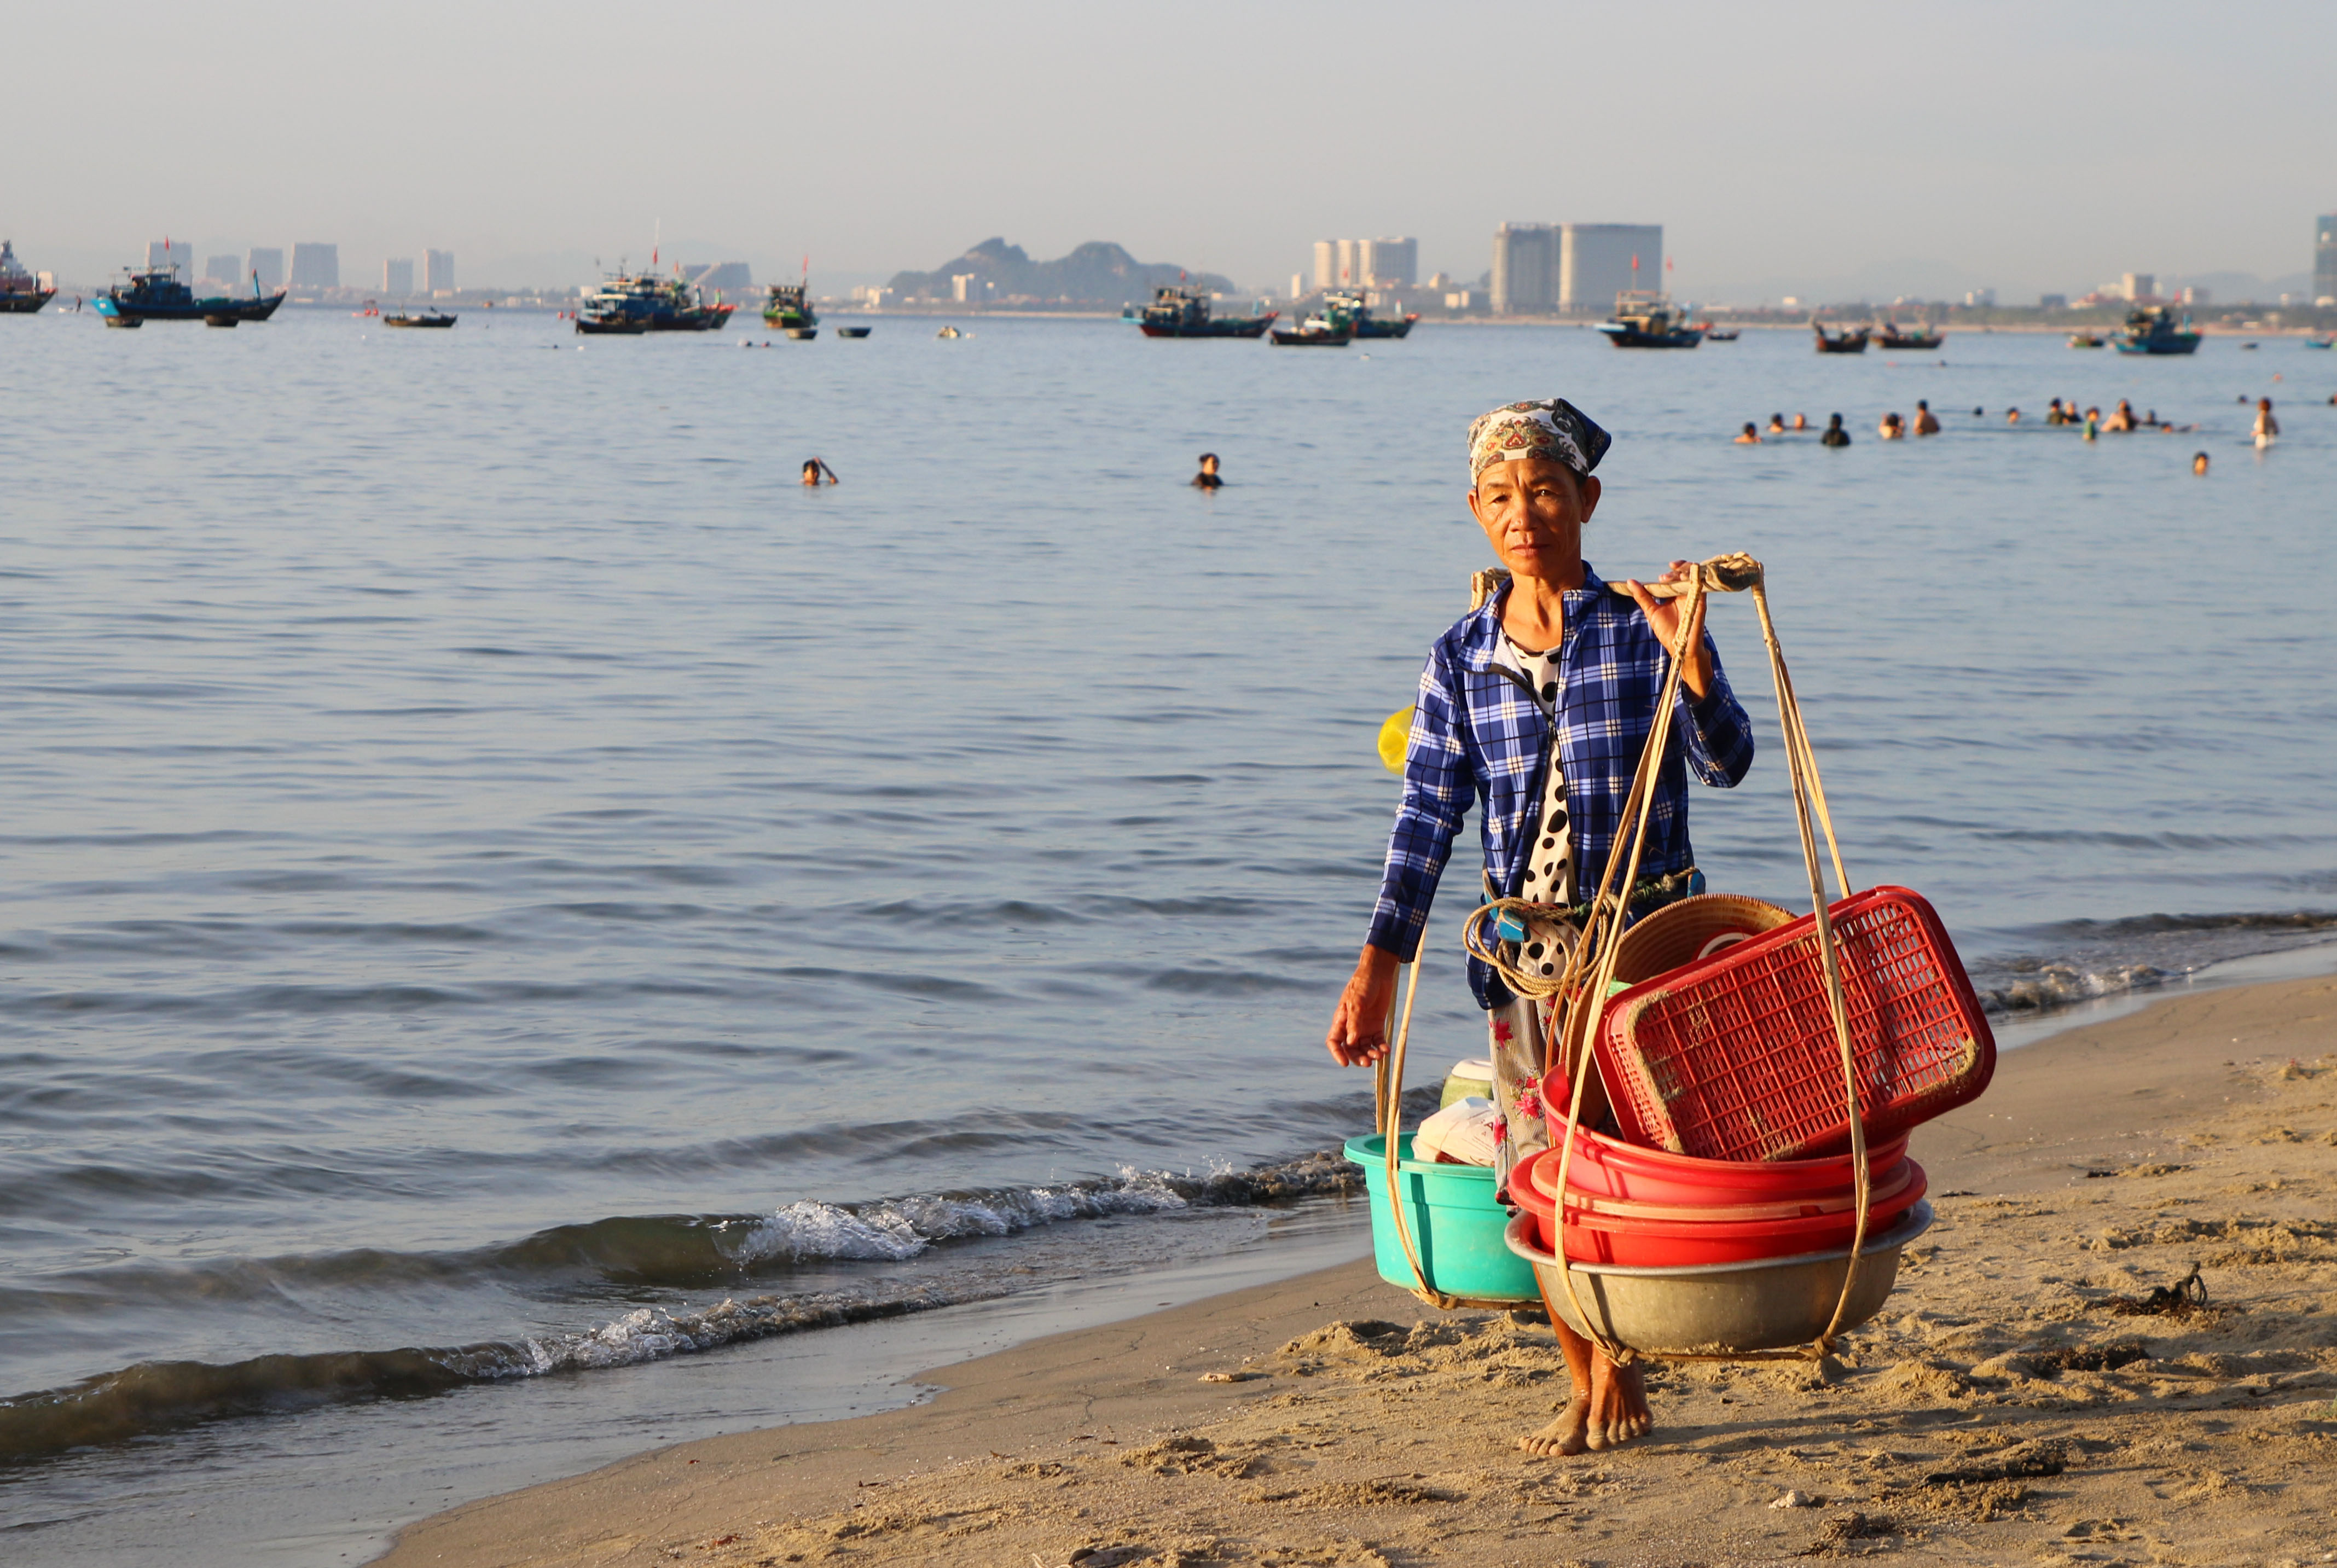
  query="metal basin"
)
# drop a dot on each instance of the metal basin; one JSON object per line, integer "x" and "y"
{"x": 1765, "y": 1305}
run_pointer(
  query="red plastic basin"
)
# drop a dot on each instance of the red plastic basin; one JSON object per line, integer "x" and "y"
{"x": 1636, "y": 1241}
{"x": 1886, "y": 1186}
{"x": 1609, "y": 1167}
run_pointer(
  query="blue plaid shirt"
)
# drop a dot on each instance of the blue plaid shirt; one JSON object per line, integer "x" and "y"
{"x": 1476, "y": 735}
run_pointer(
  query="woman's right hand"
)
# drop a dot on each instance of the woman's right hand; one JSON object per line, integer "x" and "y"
{"x": 1359, "y": 1023}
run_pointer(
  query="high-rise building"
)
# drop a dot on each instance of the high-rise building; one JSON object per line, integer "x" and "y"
{"x": 2139, "y": 286}
{"x": 1597, "y": 261}
{"x": 266, "y": 263}
{"x": 438, "y": 271}
{"x": 227, "y": 269}
{"x": 1525, "y": 267}
{"x": 397, "y": 277}
{"x": 316, "y": 266}
{"x": 161, "y": 253}
{"x": 1390, "y": 263}
{"x": 1366, "y": 263}
{"x": 2324, "y": 256}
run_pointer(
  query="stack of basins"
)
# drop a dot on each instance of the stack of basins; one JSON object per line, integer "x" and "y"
{"x": 1636, "y": 1206}
{"x": 1651, "y": 1208}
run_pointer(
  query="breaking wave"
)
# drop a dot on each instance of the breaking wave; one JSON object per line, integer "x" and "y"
{"x": 155, "y": 1397}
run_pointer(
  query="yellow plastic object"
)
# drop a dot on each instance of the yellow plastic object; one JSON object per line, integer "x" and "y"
{"x": 1395, "y": 737}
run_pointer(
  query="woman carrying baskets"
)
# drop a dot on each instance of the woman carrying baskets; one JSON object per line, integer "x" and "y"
{"x": 1537, "y": 704}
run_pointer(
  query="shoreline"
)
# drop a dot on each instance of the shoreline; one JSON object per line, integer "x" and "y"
{"x": 988, "y": 1470}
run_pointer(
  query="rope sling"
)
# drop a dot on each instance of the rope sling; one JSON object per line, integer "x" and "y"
{"x": 1580, "y": 988}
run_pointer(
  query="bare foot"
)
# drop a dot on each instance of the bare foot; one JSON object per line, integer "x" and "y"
{"x": 1563, "y": 1437}
{"x": 1618, "y": 1406}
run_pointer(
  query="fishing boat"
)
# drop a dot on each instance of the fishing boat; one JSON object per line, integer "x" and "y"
{"x": 1846, "y": 341}
{"x": 2324, "y": 341}
{"x": 426, "y": 319}
{"x": 1179, "y": 312}
{"x": 1889, "y": 336}
{"x": 1719, "y": 333}
{"x": 1647, "y": 320}
{"x": 1315, "y": 332}
{"x": 21, "y": 292}
{"x": 852, "y": 332}
{"x": 629, "y": 304}
{"x": 1356, "y": 316}
{"x": 2155, "y": 329}
{"x": 949, "y": 332}
{"x": 2086, "y": 340}
{"x": 790, "y": 311}
{"x": 156, "y": 294}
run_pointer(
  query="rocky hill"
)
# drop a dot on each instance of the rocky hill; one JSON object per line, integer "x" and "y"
{"x": 1096, "y": 274}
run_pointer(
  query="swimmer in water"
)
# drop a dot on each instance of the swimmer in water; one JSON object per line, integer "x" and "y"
{"x": 1926, "y": 422}
{"x": 2199, "y": 463}
{"x": 1777, "y": 424}
{"x": 2267, "y": 428}
{"x": 1207, "y": 478}
{"x": 1800, "y": 422}
{"x": 1751, "y": 436}
{"x": 2121, "y": 417}
{"x": 1891, "y": 428}
{"x": 814, "y": 468}
{"x": 2012, "y": 417}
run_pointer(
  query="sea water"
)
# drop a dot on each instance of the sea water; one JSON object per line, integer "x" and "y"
{"x": 527, "y": 931}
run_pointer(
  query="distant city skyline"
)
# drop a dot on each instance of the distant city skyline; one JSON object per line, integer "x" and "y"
{"x": 1987, "y": 146}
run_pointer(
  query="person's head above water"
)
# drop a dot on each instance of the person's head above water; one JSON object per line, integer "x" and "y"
{"x": 1531, "y": 488}
{"x": 1209, "y": 462}
{"x": 2198, "y": 463}
{"x": 1833, "y": 422}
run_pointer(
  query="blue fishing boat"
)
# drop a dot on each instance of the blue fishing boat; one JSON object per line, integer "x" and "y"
{"x": 157, "y": 295}
{"x": 1350, "y": 310}
{"x": 1647, "y": 320}
{"x": 630, "y": 304}
{"x": 2154, "y": 329}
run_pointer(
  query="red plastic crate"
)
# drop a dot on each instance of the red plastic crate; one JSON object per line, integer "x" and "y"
{"x": 1733, "y": 1058}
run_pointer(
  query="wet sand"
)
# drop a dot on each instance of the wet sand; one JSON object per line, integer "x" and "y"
{"x": 2007, "y": 1406}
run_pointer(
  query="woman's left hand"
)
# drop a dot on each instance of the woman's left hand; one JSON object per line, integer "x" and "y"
{"x": 1664, "y": 620}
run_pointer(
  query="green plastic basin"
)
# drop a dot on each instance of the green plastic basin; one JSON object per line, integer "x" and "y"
{"x": 1456, "y": 1226}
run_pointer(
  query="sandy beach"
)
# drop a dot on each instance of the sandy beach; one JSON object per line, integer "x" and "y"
{"x": 2013, "y": 1403}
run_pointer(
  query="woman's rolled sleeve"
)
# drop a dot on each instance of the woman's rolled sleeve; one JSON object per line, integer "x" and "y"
{"x": 1437, "y": 788}
{"x": 1719, "y": 735}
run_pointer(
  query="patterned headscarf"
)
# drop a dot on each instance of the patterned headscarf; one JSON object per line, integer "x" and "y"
{"x": 1547, "y": 427}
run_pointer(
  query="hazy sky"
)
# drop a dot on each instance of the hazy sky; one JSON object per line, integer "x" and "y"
{"x": 1785, "y": 147}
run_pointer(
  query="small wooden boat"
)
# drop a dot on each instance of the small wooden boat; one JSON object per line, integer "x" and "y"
{"x": 1844, "y": 342}
{"x": 949, "y": 332}
{"x": 1889, "y": 337}
{"x": 852, "y": 332}
{"x": 125, "y": 321}
{"x": 2323, "y": 342}
{"x": 1720, "y": 334}
{"x": 428, "y": 318}
{"x": 2086, "y": 340}
{"x": 1313, "y": 332}
{"x": 612, "y": 326}
{"x": 221, "y": 318}
{"x": 803, "y": 334}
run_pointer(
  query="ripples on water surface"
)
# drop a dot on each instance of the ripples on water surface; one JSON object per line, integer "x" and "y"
{"x": 492, "y": 862}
